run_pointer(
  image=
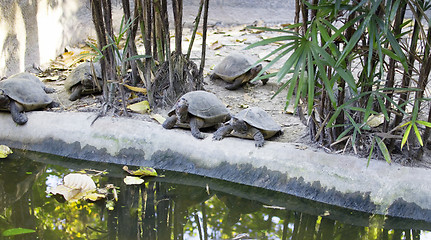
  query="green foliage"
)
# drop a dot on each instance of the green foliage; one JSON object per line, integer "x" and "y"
{"x": 16, "y": 231}
{"x": 318, "y": 71}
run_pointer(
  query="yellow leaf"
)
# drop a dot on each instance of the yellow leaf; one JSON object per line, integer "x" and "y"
{"x": 4, "y": 151}
{"x": 94, "y": 196}
{"x": 110, "y": 205}
{"x": 136, "y": 89}
{"x": 130, "y": 180}
{"x": 142, "y": 171}
{"x": 159, "y": 118}
{"x": 199, "y": 33}
{"x": 140, "y": 107}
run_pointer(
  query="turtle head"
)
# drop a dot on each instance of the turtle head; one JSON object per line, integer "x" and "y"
{"x": 255, "y": 70}
{"x": 181, "y": 109}
{"x": 4, "y": 99}
{"x": 239, "y": 125}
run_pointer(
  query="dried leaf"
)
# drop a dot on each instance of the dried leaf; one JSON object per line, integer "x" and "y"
{"x": 131, "y": 180}
{"x": 5, "y": 151}
{"x": 75, "y": 55}
{"x": 159, "y": 118}
{"x": 75, "y": 187}
{"x": 375, "y": 120}
{"x": 94, "y": 196}
{"x": 136, "y": 89}
{"x": 79, "y": 181}
{"x": 216, "y": 45}
{"x": 140, "y": 107}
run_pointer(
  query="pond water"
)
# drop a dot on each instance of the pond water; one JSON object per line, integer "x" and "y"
{"x": 172, "y": 206}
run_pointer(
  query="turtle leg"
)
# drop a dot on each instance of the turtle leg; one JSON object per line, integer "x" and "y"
{"x": 236, "y": 83}
{"x": 76, "y": 92}
{"x": 17, "y": 112}
{"x": 53, "y": 104}
{"x": 259, "y": 139}
{"x": 48, "y": 89}
{"x": 195, "y": 124}
{"x": 222, "y": 132}
{"x": 170, "y": 122}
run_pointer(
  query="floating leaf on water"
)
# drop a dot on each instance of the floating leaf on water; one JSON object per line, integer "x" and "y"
{"x": 140, "y": 107}
{"x": 136, "y": 89}
{"x": 159, "y": 118}
{"x": 326, "y": 213}
{"x": 79, "y": 181}
{"x": 17, "y": 231}
{"x": 75, "y": 186}
{"x": 94, "y": 196}
{"x": 5, "y": 151}
{"x": 131, "y": 180}
{"x": 142, "y": 171}
{"x": 110, "y": 205}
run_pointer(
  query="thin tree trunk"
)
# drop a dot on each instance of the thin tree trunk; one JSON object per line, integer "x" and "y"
{"x": 390, "y": 81}
{"x": 178, "y": 18}
{"x": 204, "y": 38}
{"x": 146, "y": 32}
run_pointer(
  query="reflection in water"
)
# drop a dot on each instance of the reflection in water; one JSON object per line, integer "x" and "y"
{"x": 177, "y": 206}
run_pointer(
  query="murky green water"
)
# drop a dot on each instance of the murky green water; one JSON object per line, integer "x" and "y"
{"x": 176, "y": 206}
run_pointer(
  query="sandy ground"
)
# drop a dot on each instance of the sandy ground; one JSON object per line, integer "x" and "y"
{"x": 227, "y": 33}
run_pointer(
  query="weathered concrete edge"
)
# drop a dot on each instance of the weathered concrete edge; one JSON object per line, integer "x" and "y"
{"x": 339, "y": 180}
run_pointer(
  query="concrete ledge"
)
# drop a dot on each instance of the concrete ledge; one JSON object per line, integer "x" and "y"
{"x": 339, "y": 180}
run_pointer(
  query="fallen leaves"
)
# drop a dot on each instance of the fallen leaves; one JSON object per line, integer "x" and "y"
{"x": 75, "y": 186}
{"x": 5, "y": 151}
{"x": 137, "y": 174}
{"x": 140, "y": 107}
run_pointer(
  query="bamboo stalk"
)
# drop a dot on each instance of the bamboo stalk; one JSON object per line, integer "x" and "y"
{"x": 195, "y": 29}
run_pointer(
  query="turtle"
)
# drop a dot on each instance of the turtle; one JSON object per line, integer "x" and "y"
{"x": 196, "y": 110}
{"x": 236, "y": 69}
{"x": 252, "y": 123}
{"x": 24, "y": 92}
{"x": 81, "y": 82}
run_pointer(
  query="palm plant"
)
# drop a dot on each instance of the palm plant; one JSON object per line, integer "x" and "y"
{"x": 338, "y": 38}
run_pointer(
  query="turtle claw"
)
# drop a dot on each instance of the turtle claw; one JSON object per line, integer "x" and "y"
{"x": 198, "y": 135}
{"x": 217, "y": 137}
{"x": 222, "y": 132}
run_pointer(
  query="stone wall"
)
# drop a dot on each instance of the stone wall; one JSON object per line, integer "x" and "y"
{"x": 33, "y": 32}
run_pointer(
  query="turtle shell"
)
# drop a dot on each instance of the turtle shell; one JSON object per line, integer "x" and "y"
{"x": 258, "y": 118}
{"x": 82, "y": 74}
{"x": 205, "y": 105}
{"x": 232, "y": 66}
{"x": 27, "y": 90}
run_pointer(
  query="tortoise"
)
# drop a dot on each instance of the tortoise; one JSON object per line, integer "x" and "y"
{"x": 252, "y": 123}
{"x": 196, "y": 110}
{"x": 236, "y": 69}
{"x": 80, "y": 81}
{"x": 24, "y": 92}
